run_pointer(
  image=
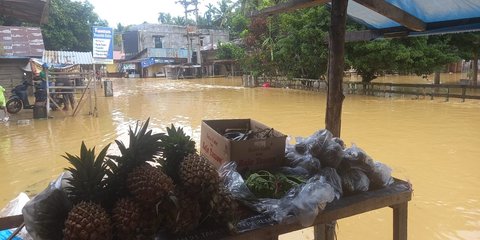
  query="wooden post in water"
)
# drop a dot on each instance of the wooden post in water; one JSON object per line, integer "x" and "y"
{"x": 333, "y": 116}
{"x": 336, "y": 45}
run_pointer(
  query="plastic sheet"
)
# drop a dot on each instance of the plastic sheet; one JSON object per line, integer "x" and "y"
{"x": 45, "y": 214}
{"x": 14, "y": 207}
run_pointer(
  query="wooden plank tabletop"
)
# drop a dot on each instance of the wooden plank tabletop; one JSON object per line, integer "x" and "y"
{"x": 398, "y": 193}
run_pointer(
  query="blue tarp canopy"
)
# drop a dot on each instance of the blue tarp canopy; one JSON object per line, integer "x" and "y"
{"x": 402, "y": 17}
{"x": 437, "y": 15}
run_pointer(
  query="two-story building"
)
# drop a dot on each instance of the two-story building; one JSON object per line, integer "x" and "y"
{"x": 152, "y": 49}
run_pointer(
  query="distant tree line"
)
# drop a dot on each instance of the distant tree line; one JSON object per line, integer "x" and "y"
{"x": 290, "y": 44}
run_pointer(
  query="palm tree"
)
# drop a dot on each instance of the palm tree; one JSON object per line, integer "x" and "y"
{"x": 164, "y": 18}
{"x": 222, "y": 12}
{"x": 209, "y": 13}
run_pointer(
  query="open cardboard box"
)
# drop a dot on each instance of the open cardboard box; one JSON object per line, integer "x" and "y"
{"x": 251, "y": 154}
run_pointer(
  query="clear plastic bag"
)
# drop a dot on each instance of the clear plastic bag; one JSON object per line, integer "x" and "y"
{"x": 332, "y": 178}
{"x": 331, "y": 155}
{"x": 354, "y": 181}
{"x": 355, "y": 157}
{"x": 304, "y": 202}
{"x": 45, "y": 214}
{"x": 300, "y": 203}
{"x": 381, "y": 176}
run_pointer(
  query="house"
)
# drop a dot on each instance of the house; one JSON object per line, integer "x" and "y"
{"x": 17, "y": 46}
{"x": 151, "y": 49}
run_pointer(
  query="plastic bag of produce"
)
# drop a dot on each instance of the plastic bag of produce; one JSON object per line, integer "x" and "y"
{"x": 317, "y": 141}
{"x": 355, "y": 157}
{"x": 306, "y": 161}
{"x": 354, "y": 181}
{"x": 45, "y": 214}
{"x": 332, "y": 178}
{"x": 303, "y": 203}
{"x": 331, "y": 155}
{"x": 381, "y": 176}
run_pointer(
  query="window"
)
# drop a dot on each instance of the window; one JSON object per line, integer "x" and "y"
{"x": 158, "y": 41}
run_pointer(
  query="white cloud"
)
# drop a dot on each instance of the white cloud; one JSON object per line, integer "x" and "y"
{"x": 138, "y": 11}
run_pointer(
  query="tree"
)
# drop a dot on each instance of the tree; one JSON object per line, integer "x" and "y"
{"x": 165, "y": 18}
{"x": 70, "y": 25}
{"x": 469, "y": 47}
{"x": 418, "y": 55}
{"x": 222, "y": 12}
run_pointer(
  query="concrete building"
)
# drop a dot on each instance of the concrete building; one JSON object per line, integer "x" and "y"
{"x": 151, "y": 47}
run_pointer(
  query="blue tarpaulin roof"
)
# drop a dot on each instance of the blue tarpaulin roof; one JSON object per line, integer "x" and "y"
{"x": 392, "y": 18}
{"x": 434, "y": 13}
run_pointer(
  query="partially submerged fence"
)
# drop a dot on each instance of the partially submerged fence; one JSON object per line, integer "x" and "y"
{"x": 431, "y": 91}
{"x": 418, "y": 90}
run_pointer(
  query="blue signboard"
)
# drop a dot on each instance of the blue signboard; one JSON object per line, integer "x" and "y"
{"x": 103, "y": 44}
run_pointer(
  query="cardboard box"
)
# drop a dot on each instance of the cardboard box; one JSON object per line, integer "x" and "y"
{"x": 251, "y": 154}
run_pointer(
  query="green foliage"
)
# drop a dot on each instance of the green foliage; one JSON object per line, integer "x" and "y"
{"x": 176, "y": 145}
{"x": 87, "y": 182}
{"x": 230, "y": 51}
{"x": 143, "y": 146}
{"x": 70, "y": 25}
{"x": 419, "y": 55}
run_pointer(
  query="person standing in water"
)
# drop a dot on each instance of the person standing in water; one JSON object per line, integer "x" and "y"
{"x": 3, "y": 103}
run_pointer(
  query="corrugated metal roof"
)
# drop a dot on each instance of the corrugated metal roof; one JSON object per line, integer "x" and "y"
{"x": 34, "y": 11}
{"x": 69, "y": 58}
{"x": 21, "y": 42}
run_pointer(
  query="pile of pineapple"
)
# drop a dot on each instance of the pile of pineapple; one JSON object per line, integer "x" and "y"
{"x": 157, "y": 184}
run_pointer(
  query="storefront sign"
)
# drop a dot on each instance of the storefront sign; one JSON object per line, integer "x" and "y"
{"x": 103, "y": 45}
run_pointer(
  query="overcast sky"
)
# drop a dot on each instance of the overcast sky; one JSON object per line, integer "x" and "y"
{"x": 138, "y": 11}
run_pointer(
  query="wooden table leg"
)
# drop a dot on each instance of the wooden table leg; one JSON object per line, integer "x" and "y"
{"x": 400, "y": 216}
{"x": 324, "y": 231}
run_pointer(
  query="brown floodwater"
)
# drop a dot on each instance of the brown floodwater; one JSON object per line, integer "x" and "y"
{"x": 433, "y": 144}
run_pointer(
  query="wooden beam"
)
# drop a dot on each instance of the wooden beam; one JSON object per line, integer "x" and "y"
{"x": 289, "y": 6}
{"x": 336, "y": 62}
{"x": 396, "y": 14}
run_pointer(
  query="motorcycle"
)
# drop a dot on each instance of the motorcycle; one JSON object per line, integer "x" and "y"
{"x": 19, "y": 98}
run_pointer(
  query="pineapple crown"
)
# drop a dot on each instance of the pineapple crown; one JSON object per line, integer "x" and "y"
{"x": 87, "y": 182}
{"x": 176, "y": 145}
{"x": 143, "y": 147}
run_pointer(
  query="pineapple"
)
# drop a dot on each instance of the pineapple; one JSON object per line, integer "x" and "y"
{"x": 87, "y": 219}
{"x": 149, "y": 185}
{"x": 198, "y": 175}
{"x": 182, "y": 213}
{"x": 194, "y": 173}
{"x": 132, "y": 177}
{"x": 224, "y": 208}
{"x": 126, "y": 215}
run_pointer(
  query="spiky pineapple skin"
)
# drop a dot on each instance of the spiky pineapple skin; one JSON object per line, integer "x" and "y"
{"x": 126, "y": 216}
{"x": 224, "y": 206}
{"x": 149, "y": 185}
{"x": 87, "y": 221}
{"x": 184, "y": 215}
{"x": 198, "y": 176}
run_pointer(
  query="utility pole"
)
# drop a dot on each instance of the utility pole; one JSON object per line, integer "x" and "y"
{"x": 186, "y": 4}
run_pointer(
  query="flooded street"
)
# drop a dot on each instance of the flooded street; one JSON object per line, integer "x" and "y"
{"x": 433, "y": 144}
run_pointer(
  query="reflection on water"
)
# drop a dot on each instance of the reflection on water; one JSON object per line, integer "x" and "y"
{"x": 433, "y": 144}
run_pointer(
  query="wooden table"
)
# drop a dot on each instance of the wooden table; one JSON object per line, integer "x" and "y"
{"x": 395, "y": 196}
